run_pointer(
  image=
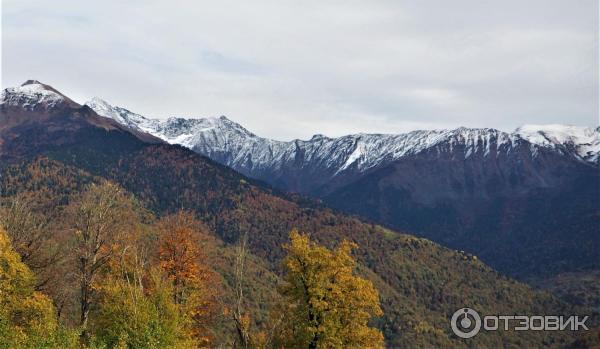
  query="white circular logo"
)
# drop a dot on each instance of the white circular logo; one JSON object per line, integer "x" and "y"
{"x": 465, "y": 323}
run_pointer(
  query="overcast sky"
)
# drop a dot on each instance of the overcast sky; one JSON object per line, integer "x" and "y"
{"x": 290, "y": 69}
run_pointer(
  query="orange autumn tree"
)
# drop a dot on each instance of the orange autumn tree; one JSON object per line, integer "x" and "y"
{"x": 182, "y": 241}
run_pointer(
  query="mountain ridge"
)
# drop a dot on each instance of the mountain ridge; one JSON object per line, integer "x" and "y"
{"x": 322, "y": 164}
{"x": 549, "y": 135}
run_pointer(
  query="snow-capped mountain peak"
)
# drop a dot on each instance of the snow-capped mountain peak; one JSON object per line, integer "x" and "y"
{"x": 553, "y": 134}
{"x": 33, "y": 95}
{"x": 102, "y": 107}
{"x": 583, "y": 141}
{"x": 121, "y": 115}
{"x": 175, "y": 130}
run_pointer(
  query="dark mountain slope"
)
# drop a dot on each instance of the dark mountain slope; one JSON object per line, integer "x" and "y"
{"x": 523, "y": 214}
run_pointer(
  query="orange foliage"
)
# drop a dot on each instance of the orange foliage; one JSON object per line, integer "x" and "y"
{"x": 181, "y": 257}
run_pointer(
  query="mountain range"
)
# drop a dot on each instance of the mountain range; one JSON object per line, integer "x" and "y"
{"x": 53, "y": 145}
{"x": 527, "y": 202}
{"x": 322, "y": 164}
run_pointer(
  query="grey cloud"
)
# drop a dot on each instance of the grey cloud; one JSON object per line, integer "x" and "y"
{"x": 288, "y": 69}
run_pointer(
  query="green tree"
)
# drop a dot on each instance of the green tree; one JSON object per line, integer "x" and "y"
{"x": 329, "y": 306}
{"x": 132, "y": 316}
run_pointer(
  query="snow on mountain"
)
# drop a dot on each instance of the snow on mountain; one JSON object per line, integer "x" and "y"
{"x": 229, "y": 143}
{"x": 123, "y": 116}
{"x": 584, "y": 141}
{"x": 186, "y": 132}
{"x": 32, "y": 95}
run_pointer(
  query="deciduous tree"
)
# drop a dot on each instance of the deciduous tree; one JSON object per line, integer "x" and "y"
{"x": 101, "y": 216}
{"x": 27, "y": 317}
{"x": 181, "y": 241}
{"x": 134, "y": 315}
{"x": 27, "y": 230}
{"x": 329, "y": 306}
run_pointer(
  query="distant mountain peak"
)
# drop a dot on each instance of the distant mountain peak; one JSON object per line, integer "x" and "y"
{"x": 99, "y": 101}
{"x": 174, "y": 129}
{"x": 318, "y": 136}
{"x": 557, "y": 133}
{"x": 33, "y": 95}
{"x": 583, "y": 141}
{"x": 35, "y": 105}
{"x": 31, "y": 82}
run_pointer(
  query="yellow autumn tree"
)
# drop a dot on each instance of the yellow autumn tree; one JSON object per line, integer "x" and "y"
{"x": 329, "y": 306}
{"x": 27, "y": 317}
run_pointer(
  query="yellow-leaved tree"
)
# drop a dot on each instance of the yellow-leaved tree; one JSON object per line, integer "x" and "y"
{"x": 329, "y": 306}
{"x": 27, "y": 317}
{"x": 134, "y": 315}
